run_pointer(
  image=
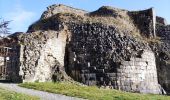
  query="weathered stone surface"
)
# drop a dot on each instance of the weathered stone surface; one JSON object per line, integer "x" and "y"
{"x": 161, "y": 20}
{"x": 162, "y": 51}
{"x": 41, "y": 57}
{"x": 109, "y": 47}
{"x": 140, "y": 75}
{"x": 145, "y": 21}
{"x": 54, "y": 9}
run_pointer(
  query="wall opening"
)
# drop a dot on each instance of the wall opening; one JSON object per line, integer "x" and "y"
{"x": 8, "y": 63}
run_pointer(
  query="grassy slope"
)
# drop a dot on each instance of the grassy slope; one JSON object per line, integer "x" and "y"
{"x": 91, "y": 93}
{"x": 7, "y": 95}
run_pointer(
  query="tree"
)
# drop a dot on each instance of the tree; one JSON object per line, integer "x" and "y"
{"x": 4, "y": 29}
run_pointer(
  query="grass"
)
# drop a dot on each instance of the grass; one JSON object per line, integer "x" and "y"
{"x": 90, "y": 92}
{"x": 8, "y": 95}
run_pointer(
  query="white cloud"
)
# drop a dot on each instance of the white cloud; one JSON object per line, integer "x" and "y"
{"x": 20, "y": 18}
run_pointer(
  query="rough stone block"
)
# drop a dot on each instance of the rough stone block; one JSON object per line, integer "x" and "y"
{"x": 140, "y": 63}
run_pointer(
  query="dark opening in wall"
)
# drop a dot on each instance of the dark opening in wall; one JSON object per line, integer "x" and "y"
{"x": 163, "y": 56}
{"x": 66, "y": 61}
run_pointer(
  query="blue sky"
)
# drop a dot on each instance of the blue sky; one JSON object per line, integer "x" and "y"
{"x": 24, "y": 12}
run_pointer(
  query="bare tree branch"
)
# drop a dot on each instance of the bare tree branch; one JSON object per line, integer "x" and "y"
{"x": 4, "y": 29}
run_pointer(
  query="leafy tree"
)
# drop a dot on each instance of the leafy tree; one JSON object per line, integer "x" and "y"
{"x": 4, "y": 29}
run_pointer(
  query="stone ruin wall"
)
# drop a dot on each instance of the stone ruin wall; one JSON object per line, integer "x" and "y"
{"x": 54, "y": 9}
{"x": 139, "y": 74}
{"x": 161, "y": 30}
{"x": 100, "y": 55}
{"x": 145, "y": 21}
{"x": 163, "y": 58}
{"x": 41, "y": 55}
{"x": 161, "y": 20}
{"x": 93, "y": 54}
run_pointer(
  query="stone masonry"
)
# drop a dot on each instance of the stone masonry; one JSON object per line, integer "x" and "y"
{"x": 145, "y": 21}
{"x": 40, "y": 58}
{"x": 163, "y": 55}
{"x": 107, "y": 47}
{"x": 95, "y": 60}
{"x": 137, "y": 75}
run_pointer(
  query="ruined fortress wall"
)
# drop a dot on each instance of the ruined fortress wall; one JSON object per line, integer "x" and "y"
{"x": 163, "y": 57}
{"x": 100, "y": 55}
{"x": 163, "y": 33}
{"x": 54, "y": 9}
{"x": 139, "y": 74}
{"x": 161, "y": 20}
{"x": 41, "y": 55}
{"x": 145, "y": 21}
{"x": 92, "y": 53}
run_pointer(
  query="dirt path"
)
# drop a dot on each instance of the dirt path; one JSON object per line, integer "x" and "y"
{"x": 41, "y": 94}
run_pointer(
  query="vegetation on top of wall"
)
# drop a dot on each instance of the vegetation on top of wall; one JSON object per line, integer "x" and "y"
{"x": 152, "y": 40}
{"x": 123, "y": 22}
